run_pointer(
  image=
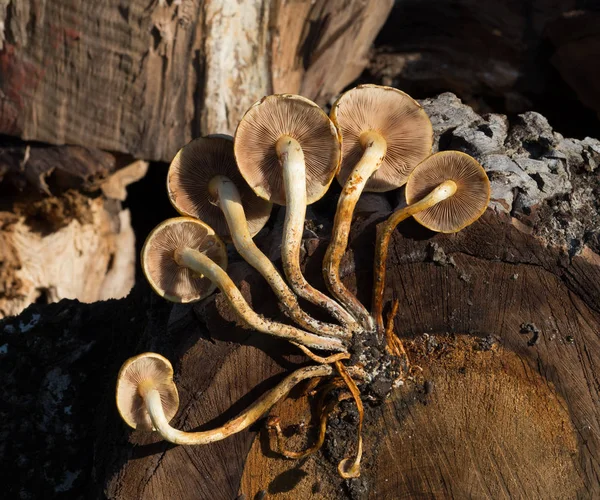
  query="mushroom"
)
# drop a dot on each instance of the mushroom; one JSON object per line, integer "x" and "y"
{"x": 169, "y": 279}
{"x": 182, "y": 255}
{"x": 445, "y": 193}
{"x": 204, "y": 182}
{"x": 288, "y": 151}
{"x": 385, "y": 134}
{"x": 195, "y": 176}
{"x": 139, "y": 375}
{"x": 147, "y": 398}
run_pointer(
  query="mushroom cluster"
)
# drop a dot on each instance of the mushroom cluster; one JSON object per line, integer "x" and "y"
{"x": 287, "y": 151}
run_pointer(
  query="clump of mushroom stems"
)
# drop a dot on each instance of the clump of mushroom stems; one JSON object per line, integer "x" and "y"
{"x": 442, "y": 192}
{"x": 152, "y": 400}
{"x": 202, "y": 265}
{"x": 227, "y": 195}
{"x": 354, "y": 318}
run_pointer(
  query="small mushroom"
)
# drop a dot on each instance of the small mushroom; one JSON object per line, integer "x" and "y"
{"x": 204, "y": 182}
{"x": 147, "y": 398}
{"x": 288, "y": 151}
{"x": 138, "y": 375}
{"x": 169, "y": 279}
{"x": 182, "y": 255}
{"x": 385, "y": 134}
{"x": 445, "y": 193}
{"x": 195, "y": 176}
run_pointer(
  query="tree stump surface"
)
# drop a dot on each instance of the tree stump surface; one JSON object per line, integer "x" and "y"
{"x": 145, "y": 77}
{"x": 501, "y": 322}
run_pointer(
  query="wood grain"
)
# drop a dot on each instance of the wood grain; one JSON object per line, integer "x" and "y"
{"x": 146, "y": 76}
{"x": 491, "y": 413}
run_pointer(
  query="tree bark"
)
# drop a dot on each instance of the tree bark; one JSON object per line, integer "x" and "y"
{"x": 146, "y": 76}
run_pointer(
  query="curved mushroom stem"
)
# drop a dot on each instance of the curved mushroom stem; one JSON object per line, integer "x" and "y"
{"x": 154, "y": 406}
{"x": 294, "y": 178}
{"x": 345, "y": 468}
{"x": 375, "y": 147}
{"x": 201, "y": 264}
{"x": 318, "y": 359}
{"x": 224, "y": 190}
{"x": 445, "y": 190}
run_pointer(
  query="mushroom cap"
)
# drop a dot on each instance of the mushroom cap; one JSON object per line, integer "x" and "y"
{"x": 170, "y": 280}
{"x": 401, "y": 121}
{"x": 190, "y": 173}
{"x": 461, "y": 209}
{"x": 295, "y": 116}
{"x": 151, "y": 368}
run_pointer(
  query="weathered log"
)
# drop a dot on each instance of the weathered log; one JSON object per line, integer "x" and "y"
{"x": 502, "y": 320}
{"x": 63, "y": 233}
{"x": 144, "y": 77}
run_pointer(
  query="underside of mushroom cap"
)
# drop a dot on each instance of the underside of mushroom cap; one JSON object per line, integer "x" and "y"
{"x": 170, "y": 280}
{"x": 190, "y": 173}
{"x": 461, "y": 209}
{"x": 286, "y": 115}
{"x": 399, "y": 119}
{"x": 153, "y": 370}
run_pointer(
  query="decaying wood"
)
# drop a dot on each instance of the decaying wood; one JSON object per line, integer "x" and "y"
{"x": 63, "y": 232}
{"x": 144, "y": 77}
{"x": 499, "y": 408}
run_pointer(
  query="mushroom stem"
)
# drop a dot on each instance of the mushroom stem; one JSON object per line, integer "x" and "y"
{"x": 201, "y": 264}
{"x": 226, "y": 193}
{"x": 384, "y": 232}
{"x": 346, "y": 468}
{"x": 154, "y": 406}
{"x": 294, "y": 178}
{"x": 375, "y": 147}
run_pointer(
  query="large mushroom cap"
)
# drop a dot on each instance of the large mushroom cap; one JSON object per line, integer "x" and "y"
{"x": 170, "y": 280}
{"x": 295, "y": 116}
{"x": 397, "y": 117}
{"x": 461, "y": 209}
{"x": 190, "y": 173}
{"x": 147, "y": 368}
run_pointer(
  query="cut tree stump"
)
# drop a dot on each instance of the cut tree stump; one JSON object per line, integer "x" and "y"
{"x": 498, "y": 409}
{"x": 501, "y": 322}
{"x": 145, "y": 76}
{"x": 63, "y": 232}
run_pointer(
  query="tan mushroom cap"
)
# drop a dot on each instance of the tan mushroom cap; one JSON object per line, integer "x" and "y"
{"x": 148, "y": 368}
{"x": 170, "y": 280}
{"x": 190, "y": 173}
{"x": 401, "y": 121}
{"x": 295, "y": 116}
{"x": 461, "y": 209}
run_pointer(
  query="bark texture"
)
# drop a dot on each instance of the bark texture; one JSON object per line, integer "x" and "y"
{"x": 146, "y": 76}
{"x": 502, "y": 320}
